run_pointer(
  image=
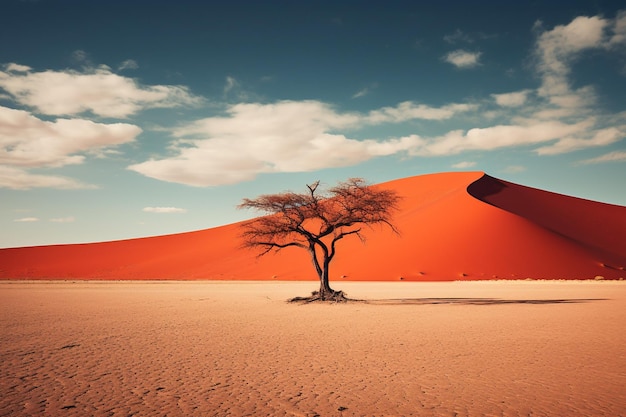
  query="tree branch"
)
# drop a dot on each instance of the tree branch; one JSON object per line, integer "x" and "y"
{"x": 316, "y": 222}
{"x": 339, "y": 237}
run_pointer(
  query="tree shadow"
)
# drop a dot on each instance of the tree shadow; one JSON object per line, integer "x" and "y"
{"x": 475, "y": 301}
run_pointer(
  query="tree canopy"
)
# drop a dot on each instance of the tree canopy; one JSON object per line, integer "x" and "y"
{"x": 316, "y": 221}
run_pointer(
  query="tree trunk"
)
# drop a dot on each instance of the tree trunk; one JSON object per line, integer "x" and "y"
{"x": 326, "y": 292}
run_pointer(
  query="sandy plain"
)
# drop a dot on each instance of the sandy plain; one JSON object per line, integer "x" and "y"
{"x": 501, "y": 348}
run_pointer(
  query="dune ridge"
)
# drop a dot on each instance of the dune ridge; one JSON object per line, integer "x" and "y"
{"x": 453, "y": 226}
{"x": 584, "y": 221}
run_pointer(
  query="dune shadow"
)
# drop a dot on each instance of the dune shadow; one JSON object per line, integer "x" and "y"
{"x": 476, "y": 301}
{"x": 485, "y": 187}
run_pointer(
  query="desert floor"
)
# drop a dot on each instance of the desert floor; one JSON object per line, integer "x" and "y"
{"x": 237, "y": 348}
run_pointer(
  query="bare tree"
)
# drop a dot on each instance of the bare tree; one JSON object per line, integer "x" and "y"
{"x": 316, "y": 221}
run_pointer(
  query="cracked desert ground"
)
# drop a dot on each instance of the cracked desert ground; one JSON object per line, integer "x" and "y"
{"x": 501, "y": 348}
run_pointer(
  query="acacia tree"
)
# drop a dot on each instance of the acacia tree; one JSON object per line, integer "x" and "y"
{"x": 316, "y": 221}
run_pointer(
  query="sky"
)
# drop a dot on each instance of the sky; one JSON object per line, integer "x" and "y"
{"x": 124, "y": 119}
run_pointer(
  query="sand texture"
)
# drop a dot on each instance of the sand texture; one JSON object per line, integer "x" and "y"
{"x": 238, "y": 349}
{"x": 453, "y": 226}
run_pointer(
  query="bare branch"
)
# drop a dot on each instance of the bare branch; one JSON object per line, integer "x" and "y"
{"x": 316, "y": 222}
{"x": 313, "y": 187}
{"x": 341, "y": 236}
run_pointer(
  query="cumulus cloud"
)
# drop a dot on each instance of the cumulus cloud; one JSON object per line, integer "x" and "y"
{"x": 294, "y": 136}
{"x": 514, "y": 99}
{"x": 619, "y": 30}
{"x": 409, "y": 110}
{"x": 287, "y": 136}
{"x": 21, "y": 179}
{"x": 559, "y": 117}
{"x": 556, "y": 50}
{"x": 559, "y": 47}
{"x": 165, "y": 210}
{"x": 95, "y": 90}
{"x": 463, "y": 59}
{"x": 615, "y": 156}
{"x": 13, "y": 67}
{"x": 28, "y": 141}
{"x": 500, "y": 136}
{"x": 601, "y": 137}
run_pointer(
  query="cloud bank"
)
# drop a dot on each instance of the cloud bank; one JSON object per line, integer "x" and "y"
{"x": 96, "y": 90}
{"x": 28, "y": 141}
{"x": 252, "y": 138}
{"x": 295, "y": 136}
{"x": 288, "y": 136}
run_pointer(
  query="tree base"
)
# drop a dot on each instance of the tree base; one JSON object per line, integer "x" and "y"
{"x": 332, "y": 297}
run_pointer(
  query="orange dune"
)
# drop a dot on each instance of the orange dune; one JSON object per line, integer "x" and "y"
{"x": 453, "y": 226}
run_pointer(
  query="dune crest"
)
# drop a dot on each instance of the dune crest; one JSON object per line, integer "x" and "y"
{"x": 587, "y": 222}
{"x": 453, "y": 226}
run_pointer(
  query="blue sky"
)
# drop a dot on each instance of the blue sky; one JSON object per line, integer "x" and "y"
{"x": 121, "y": 119}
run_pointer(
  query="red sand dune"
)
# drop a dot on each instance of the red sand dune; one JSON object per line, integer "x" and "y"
{"x": 453, "y": 226}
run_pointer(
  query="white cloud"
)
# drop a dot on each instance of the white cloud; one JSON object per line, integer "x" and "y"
{"x": 21, "y": 179}
{"x": 27, "y": 219}
{"x": 28, "y": 141}
{"x": 69, "y": 219}
{"x": 287, "y": 136}
{"x": 615, "y": 156}
{"x": 619, "y": 29}
{"x": 408, "y": 110}
{"x": 291, "y": 136}
{"x": 464, "y": 164}
{"x": 164, "y": 210}
{"x": 580, "y": 98}
{"x": 97, "y": 90}
{"x": 128, "y": 64}
{"x": 501, "y": 136}
{"x": 602, "y": 137}
{"x": 463, "y": 59}
{"x": 564, "y": 118}
{"x": 558, "y": 47}
{"x": 13, "y": 67}
{"x": 556, "y": 50}
{"x": 515, "y": 99}
{"x": 295, "y": 136}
